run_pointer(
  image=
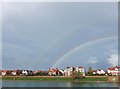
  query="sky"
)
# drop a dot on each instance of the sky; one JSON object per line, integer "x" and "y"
{"x": 43, "y": 35}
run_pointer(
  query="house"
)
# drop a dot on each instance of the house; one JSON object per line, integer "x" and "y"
{"x": 114, "y": 70}
{"x": 61, "y": 72}
{"x": 14, "y": 72}
{"x": 30, "y": 72}
{"x": 94, "y": 72}
{"x": 4, "y": 72}
{"x": 80, "y": 69}
{"x": 68, "y": 71}
{"x": 53, "y": 71}
{"x": 19, "y": 72}
{"x": 100, "y": 72}
{"x": 25, "y": 72}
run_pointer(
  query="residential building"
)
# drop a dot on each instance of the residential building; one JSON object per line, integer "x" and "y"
{"x": 4, "y": 72}
{"x": 24, "y": 72}
{"x": 54, "y": 72}
{"x": 114, "y": 70}
{"x": 14, "y": 72}
{"x": 68, "y": 71}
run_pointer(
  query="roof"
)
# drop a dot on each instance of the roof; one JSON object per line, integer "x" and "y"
{"x": 113, "y": 68}
{"x": 80, "y": 67}
{"x": 94, "y": 70}
{"x": 14, "y": 71}
{"x": 53, "y": 70}
{"x": 4, "y": 70}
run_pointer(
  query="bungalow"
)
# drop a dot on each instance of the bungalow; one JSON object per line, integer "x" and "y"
{"x": 113, "y": 70}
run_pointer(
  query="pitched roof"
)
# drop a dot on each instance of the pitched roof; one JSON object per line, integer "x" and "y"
{"x": 53, "y": 70}
{"x": 94, "y": 70}
{"x": 113, "y": 68}
{"x": 80, "y": 67}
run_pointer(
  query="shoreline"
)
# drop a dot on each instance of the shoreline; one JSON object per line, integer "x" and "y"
{"x": 97, "y": 79}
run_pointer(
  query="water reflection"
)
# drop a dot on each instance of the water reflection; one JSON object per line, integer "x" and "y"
{"x": 7, "y": 83}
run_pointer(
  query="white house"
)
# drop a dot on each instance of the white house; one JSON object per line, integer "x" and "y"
{"x": 80, "y": 69}
{"x": 114, "y": 70}
{"x": 94, "y": 72}
{"x": 24, "y": 72}
{"x": 100, "y": 72}
{"x": 62, "y": 71}
{"x": 68, "y": 71}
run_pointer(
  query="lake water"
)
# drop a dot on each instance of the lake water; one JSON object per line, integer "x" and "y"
{"x": 19, "y": 83}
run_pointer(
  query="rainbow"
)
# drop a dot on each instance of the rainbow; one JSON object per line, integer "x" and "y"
{"x": 79, "y": 47}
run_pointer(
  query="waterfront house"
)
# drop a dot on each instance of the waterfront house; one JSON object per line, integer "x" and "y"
{"x": 94, "y": 72}
{"x": 80, "y": 69}
{"x": 30, "y": 72}
{"x": 113, "y": 70}
{"x": 19, "y": 72}
{"x": 62, "y": 72}
{"x": 14, "y": 72}
{"x": 100, "y": 72}
{"x": 55, "y": 72}
{"x": 68, "y": 71}
{"x": 25, "y": 72}
{"x": 4, "y": 72}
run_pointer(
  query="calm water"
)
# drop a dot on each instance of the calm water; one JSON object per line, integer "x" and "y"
{"x": 8, "y": 83}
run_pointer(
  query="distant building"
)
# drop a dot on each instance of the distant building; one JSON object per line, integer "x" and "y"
{"x": 24, "y": 72}
{"x": 94, "y": 72}
{"x": 80, "y": 69}
{"x": 69, "y": 70}
{"x": 55, "y": 72}
{"x": 4, "y": 72}
{"x": 14, "y": 72}
{"x": 98, "y": 72}
{"x": 114, "y": 70}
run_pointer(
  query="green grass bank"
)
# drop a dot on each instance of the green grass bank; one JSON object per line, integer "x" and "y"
{"x": 47, "y": 78}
